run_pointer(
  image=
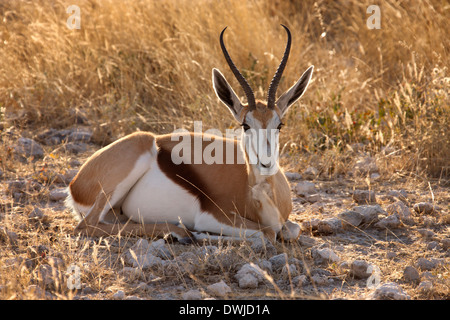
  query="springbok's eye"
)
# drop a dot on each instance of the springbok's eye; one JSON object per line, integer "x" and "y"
{"x": 245, "y": 126}
{"x": 280, "y": 126}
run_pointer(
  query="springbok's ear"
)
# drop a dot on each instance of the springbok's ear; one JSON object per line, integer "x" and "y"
{"x": 288, "y": 98}
{"x": 226, "y": 94}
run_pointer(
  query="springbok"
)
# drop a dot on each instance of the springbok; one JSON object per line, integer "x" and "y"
{"x": 134, "y": 186}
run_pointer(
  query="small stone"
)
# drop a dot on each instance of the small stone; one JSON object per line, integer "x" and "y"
{"x": 433, "y": 245}
{"x": 29, "y": 148}
{"x": 358, "y": 269}
{"x": 304, "y": 188}
{"x": 289, "y": 231}
{"x": 192, "y": 294}
{"x": 289, "y": 270}
{"x": 324, "y": 256}
{"x": 300, "y": 281}
{"x": 425, "y": 264}
{"x": 410, "y": 274}
{"x": 350, "y": 218}
{"x": 424, "y": 208}
{"x": 364, "y": 196}
{"x": 310, "y": 173}
{"x": 263, "y": 246}
{"x": 58, "y": 194}
{"x": 399, "y": 194}
{"x": 446, "y": 244}
{"x": 390, "y": 222}
{"x": 293, "y": 176}
{"x": 306, "y": 241}
{"x": 119, "y": 295}
{"x": 219, "y": 289}
{"x": 401, "y": 210}
{"x": 319, "y": 280}
{"x": 329, "y": 226}
{"x": 279, "y": 261}
{"x": 249, "y": 276}
{"x": 313, "y": 198}
{"x": 425, "y": 286}
{"x": 389, "y": 291}
{"x": 36, "y": 214}
{"x": 369, "y": 213}
{"x": 80, "y": 135}
{"x": 426, "y": 233}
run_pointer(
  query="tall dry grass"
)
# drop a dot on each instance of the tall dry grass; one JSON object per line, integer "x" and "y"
{"x": 146, "y": 65}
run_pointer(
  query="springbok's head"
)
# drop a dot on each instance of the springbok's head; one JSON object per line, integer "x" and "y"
{"x": 261, "y": 121}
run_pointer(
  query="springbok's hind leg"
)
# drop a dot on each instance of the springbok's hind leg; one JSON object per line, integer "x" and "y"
{"x": 91, "y": 225}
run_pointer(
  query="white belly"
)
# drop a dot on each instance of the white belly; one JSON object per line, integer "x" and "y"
{"x": 156, "y": 198}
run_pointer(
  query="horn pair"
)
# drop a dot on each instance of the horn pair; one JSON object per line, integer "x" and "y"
{"x": 275, "y": 80}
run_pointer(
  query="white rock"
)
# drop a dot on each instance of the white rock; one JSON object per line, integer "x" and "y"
{"x": 389, "y": 291}
{"x": 325, "y": 255}
{"x": 290, "y": 231}
{"x": 249, "y": 276}
{"x": 305, "y": 188}
{"x": 219, "y": 289}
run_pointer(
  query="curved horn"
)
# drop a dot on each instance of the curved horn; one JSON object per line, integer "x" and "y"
{"x": 271, "y": 96}
{"x": 244, "y": 84}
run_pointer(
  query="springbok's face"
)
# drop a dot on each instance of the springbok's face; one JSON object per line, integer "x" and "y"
{"x": 260, "y": 132}
{"x": 261, "y": 122}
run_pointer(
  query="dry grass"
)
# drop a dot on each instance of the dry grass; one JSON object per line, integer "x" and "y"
{"x": 146, "y": 65}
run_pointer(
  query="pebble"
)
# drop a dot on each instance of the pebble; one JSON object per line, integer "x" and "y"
{"x": 350, "y": 218}
{"x": 401, "y": 210}
{"x": 389, "y": 291}
{"x": 289, "y": 231}
{"x": 192, "y": 294}
{"x": 310, "y": 173}
{"x": 249, "y": 276}
{"x": 306, "y": 241}
{"x": 262, "y": 246}
{"x": 390, "y": 222}
{"x": 58, "y": 194}
{"x": 304, "y": 188}
{"x": 278, "y": 261}
{"x": 426, "y": 233}
{"x": 28, "y": 148}
{"x": 364, "y": 196}
{"x": 329, "y": 226}
{"x": 293, "y": 175}
{"x": 219, "y": 289}
{"x": 119, "y": 295}
{"x": 424, "y": 208}
{"x": 369, "y": 212}
{"x": 410, "y": 274}
{"x": 425, "y": 286}
{"x": 324, "y": 256}
{"x": 425, "y": 264}
{"x": 358, "y": 269}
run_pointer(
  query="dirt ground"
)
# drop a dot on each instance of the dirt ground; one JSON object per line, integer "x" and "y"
{"x": 409, "y": 259}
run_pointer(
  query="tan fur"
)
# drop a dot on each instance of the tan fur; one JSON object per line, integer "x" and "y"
{"x": 107, "y": 167}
